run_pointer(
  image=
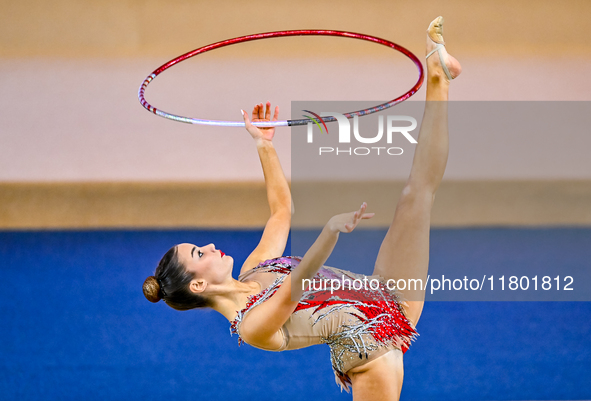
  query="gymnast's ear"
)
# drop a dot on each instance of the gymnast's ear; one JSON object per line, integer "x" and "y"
{"x": 197, "y": 286}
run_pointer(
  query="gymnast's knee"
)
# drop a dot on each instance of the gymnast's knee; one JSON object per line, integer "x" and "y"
{"x": 415, "y": 193}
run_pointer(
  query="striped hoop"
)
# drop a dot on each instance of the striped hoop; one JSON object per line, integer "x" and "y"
{"x": 267, "y": 35}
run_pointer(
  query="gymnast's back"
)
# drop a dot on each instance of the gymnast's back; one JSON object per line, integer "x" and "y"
{"x": 360, "y": 321}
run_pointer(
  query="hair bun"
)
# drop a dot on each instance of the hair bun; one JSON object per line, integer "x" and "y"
{"x": 152, "y": 290}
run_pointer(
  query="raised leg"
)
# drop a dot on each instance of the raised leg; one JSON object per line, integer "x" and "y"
{"x": 404, "y": 253}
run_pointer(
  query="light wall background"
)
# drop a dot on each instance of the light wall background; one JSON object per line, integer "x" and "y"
{"x": 71, "y": 125}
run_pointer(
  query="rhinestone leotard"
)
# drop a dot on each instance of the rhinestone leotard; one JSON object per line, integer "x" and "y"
{"x": 359, "y": 325}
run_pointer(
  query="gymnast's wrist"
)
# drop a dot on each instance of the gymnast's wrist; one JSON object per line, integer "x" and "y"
{"x": 332, "y": 227}
{"x": 262, "y": 143}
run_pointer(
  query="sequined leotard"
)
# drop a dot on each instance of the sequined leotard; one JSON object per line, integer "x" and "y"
{"x": 359, "y": 325}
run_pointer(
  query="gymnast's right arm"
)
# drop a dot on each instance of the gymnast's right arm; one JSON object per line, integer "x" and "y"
{"x": 274, "y": 238}
{"x": 261, "y": 327}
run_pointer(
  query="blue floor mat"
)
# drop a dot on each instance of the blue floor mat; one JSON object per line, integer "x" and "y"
{"x": 77, "y": 326}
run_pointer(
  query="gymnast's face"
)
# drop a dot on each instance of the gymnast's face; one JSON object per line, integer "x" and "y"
{"x": 209, "y": 266}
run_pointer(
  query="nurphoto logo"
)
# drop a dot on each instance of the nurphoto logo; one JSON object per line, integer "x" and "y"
{"x": 395, "y": 125}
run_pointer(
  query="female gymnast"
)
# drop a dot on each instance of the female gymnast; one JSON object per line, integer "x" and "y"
{"x": 367, "y": 329}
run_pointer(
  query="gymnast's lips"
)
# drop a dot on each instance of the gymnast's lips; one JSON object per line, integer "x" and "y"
{"x": 221, "y": 254}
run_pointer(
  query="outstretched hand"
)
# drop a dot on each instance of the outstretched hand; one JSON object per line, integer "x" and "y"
{"x": 260, "y": 113}
{"x": 347, "y": 222}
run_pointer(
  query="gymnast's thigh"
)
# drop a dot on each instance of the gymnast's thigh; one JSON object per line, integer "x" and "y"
{"x": 380, "y": 379}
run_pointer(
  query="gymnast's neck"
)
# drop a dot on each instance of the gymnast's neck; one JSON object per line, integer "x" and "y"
{"x": 232, "y": 297}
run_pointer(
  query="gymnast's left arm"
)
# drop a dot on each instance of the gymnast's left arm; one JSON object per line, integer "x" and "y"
{"x": 274, "y": 238}
{"x": 263, "y": 323}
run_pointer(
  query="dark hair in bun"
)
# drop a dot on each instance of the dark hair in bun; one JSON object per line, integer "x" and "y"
{"x": 171, "y": 283}
{"x": 152, "y": 289}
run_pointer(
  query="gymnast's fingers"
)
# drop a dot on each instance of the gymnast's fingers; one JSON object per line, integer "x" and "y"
{"x": 261, "y": 112}
{"x": 276, "y": 114}
{"x": 255, "y": 112}
{"x": 268, "y": 111}
{"x": 362, "y": 208}
{"x": 246, "y": 119}
{"x": 361, "y": 213}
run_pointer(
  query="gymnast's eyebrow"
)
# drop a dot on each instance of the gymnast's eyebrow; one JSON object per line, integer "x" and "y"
{"x": 193, "y": 250}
